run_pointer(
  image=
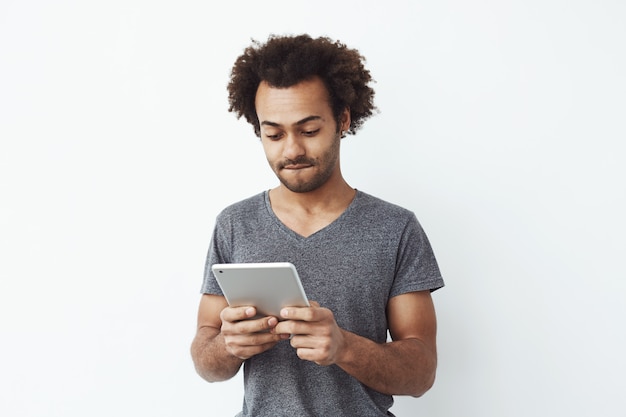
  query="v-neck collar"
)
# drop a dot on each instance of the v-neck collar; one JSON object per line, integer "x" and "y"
{"x": 318, "y": 234}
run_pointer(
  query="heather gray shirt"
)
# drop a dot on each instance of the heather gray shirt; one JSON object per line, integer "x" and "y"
{"x": 374, "y": 251}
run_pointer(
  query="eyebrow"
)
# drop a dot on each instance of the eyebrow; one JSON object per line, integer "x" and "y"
{"x": 298, "y": 123}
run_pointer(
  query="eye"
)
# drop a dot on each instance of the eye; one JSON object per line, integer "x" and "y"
{"x": 274, "y": 136}
{"x": 310, "y": 132}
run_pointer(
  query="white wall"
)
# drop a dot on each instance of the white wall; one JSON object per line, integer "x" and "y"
{"x": 501, "y": 126}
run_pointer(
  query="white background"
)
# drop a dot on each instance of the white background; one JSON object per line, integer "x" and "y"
{"x": 502, "y": 125}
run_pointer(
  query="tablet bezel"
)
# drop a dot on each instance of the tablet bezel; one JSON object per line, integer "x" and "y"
{"x": 267, "y": 286}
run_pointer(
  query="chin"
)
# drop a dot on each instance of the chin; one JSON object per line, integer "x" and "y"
{"x": 301, "y": 187}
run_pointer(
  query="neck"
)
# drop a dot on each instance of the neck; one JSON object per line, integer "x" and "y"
{"x": 317, "y": 200}
{"x": 334, "y": 194}
{"x": 307, "y": 213}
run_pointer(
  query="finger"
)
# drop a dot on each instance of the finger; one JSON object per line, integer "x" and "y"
{"x": 246, "y": 351}
{"x": 251, "y": 326}
{"x": 313, "y": 356}
{"x": 262, "y": 325}
{"x": 246, "y": 345}
{"x": 313, "y": 313}
{"x": 306, "y": 354}
{"x": 232, "y": 314}
{"x": 314, "y": 350}
{"x": 251, "y": 340}
{"x": 293, "y": 327}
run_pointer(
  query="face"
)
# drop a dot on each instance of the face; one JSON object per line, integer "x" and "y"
{"x": 299, "y": 134}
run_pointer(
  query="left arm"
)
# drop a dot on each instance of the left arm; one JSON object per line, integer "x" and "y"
{"x": 405, "y": 366}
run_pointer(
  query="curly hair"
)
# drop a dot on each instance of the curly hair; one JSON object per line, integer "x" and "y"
{"x": 284, "y": 61}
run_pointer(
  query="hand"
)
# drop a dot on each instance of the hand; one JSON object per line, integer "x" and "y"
{"x": 315, "y": 333}
{"x": 245, "y": 337}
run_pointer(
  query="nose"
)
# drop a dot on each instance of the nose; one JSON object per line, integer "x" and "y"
{"x": 293, "y": 147}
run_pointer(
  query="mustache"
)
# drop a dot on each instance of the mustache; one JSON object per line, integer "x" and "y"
{"x": 298, "y": 161}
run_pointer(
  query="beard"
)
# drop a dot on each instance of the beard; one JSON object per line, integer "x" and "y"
{"x": 324, "y": 167}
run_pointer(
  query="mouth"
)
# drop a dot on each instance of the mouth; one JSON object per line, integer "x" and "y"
{"x": 297, "y": 166}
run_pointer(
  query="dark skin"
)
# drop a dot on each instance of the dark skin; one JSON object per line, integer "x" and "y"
{"x": 300, "y": 140}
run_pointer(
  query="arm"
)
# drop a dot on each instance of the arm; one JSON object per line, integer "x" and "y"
{"x": 405, "y": 366}
{"x": 224, "y": 339}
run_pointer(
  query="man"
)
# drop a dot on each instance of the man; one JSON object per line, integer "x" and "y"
{"x": 366, "y": 264}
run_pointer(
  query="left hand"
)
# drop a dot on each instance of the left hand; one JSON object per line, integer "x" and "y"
{"x": 315, "y": 333}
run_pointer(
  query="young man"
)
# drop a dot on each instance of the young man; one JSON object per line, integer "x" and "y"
{"x": 366, "y": 263}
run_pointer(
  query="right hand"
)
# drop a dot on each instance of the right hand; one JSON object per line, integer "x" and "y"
{"x": 245, "y": 337}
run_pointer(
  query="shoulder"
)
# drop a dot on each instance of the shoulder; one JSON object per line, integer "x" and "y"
{"x": 376, "y": 216}
{"x": 371, "y": 206}
{"x": 243, "y": 208}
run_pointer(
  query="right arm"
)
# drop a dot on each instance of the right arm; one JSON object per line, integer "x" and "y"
{"x": 224, "y": 339}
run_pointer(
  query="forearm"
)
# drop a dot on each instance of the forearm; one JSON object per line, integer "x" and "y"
{"x": 403, "y": 367}
{"x": 212, "y": 361}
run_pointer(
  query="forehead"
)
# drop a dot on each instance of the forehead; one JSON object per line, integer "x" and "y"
{"x": 287, "y": 105}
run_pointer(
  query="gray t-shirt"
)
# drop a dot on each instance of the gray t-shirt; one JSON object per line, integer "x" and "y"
{"x": 374, "y": 251}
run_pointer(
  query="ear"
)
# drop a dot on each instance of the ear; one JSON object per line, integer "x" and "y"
{"x": 345, "y": 120}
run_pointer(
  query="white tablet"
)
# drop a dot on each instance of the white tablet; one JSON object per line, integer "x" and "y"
{"x": 267, "y": 286}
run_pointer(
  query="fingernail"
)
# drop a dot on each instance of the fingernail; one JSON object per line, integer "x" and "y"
{"x": 272, "y": 321}
{"x": 284, "y": 312}
{"x": 249, "y": 311}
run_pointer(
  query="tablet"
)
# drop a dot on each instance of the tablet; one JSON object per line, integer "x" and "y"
{"x": 267, "y": 286}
